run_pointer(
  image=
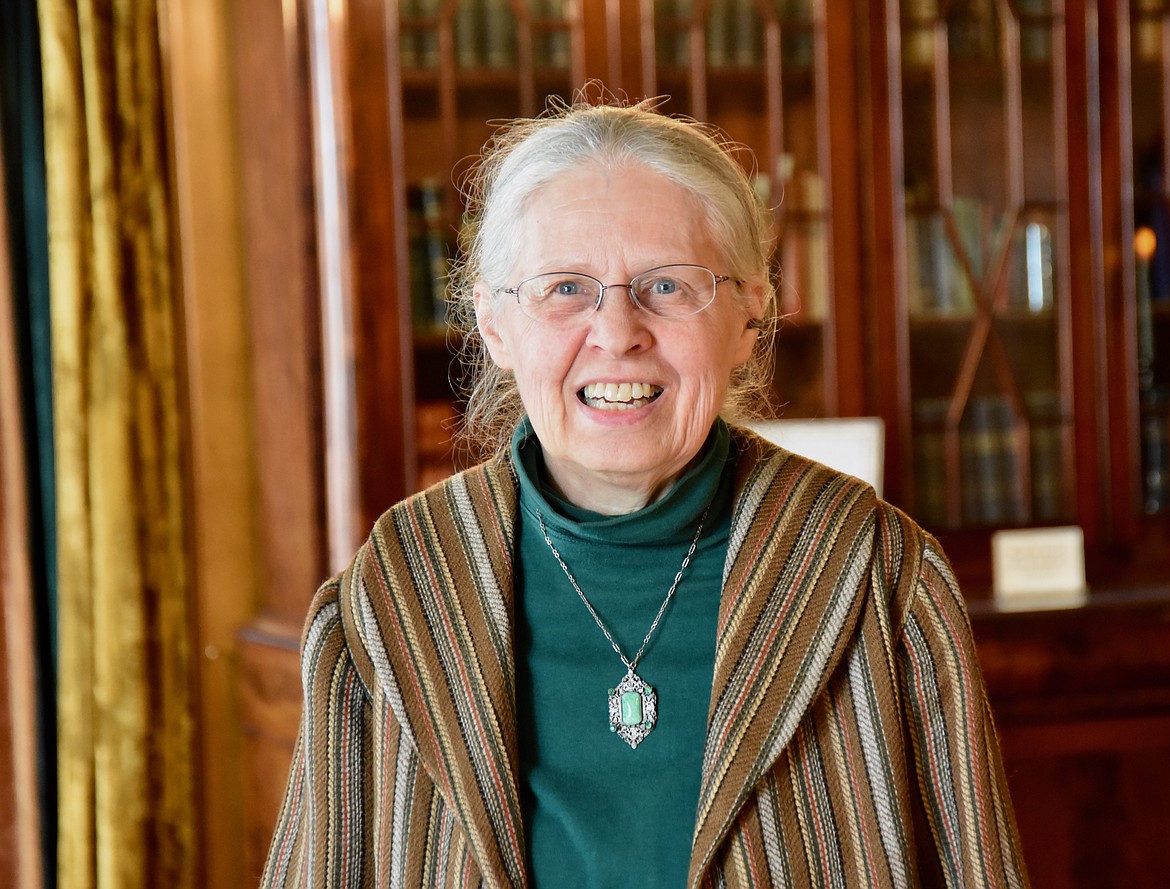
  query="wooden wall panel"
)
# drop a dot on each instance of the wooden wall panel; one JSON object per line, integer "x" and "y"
{"x": 280, "y": 262}
{"x": 223, "y": 553}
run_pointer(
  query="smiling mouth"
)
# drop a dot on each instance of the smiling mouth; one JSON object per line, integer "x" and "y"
{"x": 618, "y": 396}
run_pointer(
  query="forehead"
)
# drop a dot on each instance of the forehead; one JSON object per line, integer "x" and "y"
{"x": 595, "y": 218}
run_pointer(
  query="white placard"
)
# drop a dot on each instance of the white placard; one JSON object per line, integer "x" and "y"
{"x": 1037, "y": 567}
{"x": 853, "y": 445}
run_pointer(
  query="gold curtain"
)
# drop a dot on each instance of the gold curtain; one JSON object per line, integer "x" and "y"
{"x": 126, "y": 816}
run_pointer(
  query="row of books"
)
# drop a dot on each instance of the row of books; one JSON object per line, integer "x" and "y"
{"x": 804, "y": 247}
{"x": 734, "y": 32}
{"x": 485, "y": 33}
{"x": 991, "y": 478}
{"x": 974, "y": 30}
{"x": 431, "y": 250}
{"x": 945, "y": 265}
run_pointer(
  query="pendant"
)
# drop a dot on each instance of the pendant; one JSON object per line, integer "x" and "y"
{"x": 633, "y": 709}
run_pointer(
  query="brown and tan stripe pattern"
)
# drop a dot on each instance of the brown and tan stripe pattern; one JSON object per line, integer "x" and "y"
{"x": 846, "y": 699}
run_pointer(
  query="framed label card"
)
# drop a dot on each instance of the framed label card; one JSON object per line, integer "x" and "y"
{"x": 1039, "y": 567}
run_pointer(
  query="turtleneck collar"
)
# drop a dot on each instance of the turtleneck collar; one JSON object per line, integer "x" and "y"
{"x": 673, "y": 515}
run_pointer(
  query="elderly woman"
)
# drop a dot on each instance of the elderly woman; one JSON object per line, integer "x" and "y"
{"x": 638, "y": 646}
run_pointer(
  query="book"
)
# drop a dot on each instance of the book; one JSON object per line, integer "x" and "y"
{"x": 1155, "y": 428}
{"x": 991, "y": 486}
{"x": 796, "y": 33}
{"x": 467, "y": 32}
{"x": 408, "y": 36}
{"x": 552, "y": 46}
{"x": 429, "y": 255}
{"x": 426, "y": 38}
{"x": 1035, "y": 30}
{"x": 930, "y": 479}
{"x": 1047, "y": 435}
{"x": 499, "y": 34}
{"x": 718, "y": 34}
{"x": 745, "y": 34}
{"x": 933, "y": 276}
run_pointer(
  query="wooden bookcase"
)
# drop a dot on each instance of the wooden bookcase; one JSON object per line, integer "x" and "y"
{"x": 955, "y": 189}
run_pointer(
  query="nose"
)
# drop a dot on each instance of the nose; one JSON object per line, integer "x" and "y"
{"x": 618, "y": 326}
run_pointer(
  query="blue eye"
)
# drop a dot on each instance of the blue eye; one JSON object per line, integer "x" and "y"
{"x": 567, "y": 287}
{"x": 664, "y": 287}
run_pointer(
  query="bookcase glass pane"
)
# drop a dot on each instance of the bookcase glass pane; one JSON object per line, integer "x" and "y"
{"x": 1150, "y": 72}
{"x": 985, "y": 230}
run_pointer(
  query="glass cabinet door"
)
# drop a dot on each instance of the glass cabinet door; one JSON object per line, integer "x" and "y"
{"x": 759, "y": 71}
{"x": 1150, "y": 93}
{"x": 985, "y": 232}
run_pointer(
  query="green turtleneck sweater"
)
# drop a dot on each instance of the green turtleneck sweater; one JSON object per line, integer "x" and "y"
{"x": 596, "y": 812}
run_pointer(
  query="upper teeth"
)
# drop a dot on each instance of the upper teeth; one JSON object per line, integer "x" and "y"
{"x": 624, "y": 392}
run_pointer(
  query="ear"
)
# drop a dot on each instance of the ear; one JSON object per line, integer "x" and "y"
{"x": 754, "y": 304}
{"x": 486, "y": 320}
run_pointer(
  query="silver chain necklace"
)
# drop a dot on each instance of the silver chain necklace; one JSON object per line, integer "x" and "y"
{"x": 633, "y": 703}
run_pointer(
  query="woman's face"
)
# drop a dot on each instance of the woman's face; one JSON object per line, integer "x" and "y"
{"x": 614, "y": 224}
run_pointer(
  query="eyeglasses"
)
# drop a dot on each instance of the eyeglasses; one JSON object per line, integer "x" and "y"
{"x": 669, "y": 291}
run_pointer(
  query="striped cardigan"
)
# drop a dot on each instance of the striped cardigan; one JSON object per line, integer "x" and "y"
{"x": 849, "y": 743}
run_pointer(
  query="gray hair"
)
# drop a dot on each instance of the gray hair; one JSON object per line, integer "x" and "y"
{"x": 529, "y": 153}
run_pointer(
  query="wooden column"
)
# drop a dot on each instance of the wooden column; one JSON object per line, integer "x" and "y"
{"x": 280, "y": 264}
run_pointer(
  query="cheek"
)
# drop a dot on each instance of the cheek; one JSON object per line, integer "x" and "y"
{"x": 543, "y": 360}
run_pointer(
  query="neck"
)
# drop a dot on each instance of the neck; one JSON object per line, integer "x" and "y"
{"x": 610, "y": 493}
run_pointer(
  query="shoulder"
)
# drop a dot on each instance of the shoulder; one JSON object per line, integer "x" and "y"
{"x": 769, "y": 477}
{"x": 446, "y": 548}
{"x": 486, "y": 491}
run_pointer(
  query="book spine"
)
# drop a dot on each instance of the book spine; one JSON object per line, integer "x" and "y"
{"x": 499, "y": 34}
{"x": 746, "y": 33}
{"x": 556, "y": 51}
{"x": 1047, "y": 455}
{"x": 426, "y": 38}
{"x": 433, "y": 258}
{"x": 408, "y": 37}
{"x": 930, "y": 496}
{"x": 420, "y": 279}
{"x": 468, "y": 31}
{"x": 991, "y": 489}
{"x": 718, "y": 35}
{"x": 1156, "y": 452}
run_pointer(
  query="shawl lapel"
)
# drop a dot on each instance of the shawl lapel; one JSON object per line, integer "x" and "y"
{"x": 431, "y": 600}
{"x": 796, "y": 566}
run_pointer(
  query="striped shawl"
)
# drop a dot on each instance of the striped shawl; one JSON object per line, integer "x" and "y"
{"x": 849, "y": 743}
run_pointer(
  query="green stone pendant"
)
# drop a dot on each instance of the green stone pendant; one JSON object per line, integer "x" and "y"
{"x": 633, "y": 709}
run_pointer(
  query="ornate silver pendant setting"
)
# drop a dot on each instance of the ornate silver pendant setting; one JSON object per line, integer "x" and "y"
{"x": 633, "y": 709}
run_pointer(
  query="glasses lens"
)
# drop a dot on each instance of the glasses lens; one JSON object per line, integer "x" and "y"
{"x": 675, "y": 290}
{"x": 558, "y": 296}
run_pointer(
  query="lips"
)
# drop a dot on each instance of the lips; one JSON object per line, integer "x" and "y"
{"x": 618, "y": 396}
